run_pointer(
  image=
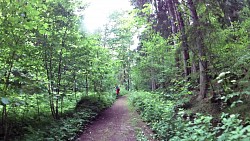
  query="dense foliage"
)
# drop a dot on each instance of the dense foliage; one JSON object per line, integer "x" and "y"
{"x": 171, "y": 125}
{"x": 192, "y": 54}
{"x": 47, "y": 63}
{"x": 72, "y": 122}
{"x": 176, "y": 51}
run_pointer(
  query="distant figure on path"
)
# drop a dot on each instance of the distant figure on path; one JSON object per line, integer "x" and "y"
{"x": 117, "y": 90}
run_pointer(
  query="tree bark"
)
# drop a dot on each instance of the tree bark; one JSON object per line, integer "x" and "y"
{"x": 201, "y": 51}
{"x": 177, "y": 58}
{"x": 48, "y": 67}
{"x": 5, "y": 89}
{"x": 153, "y": 80}
{"x": 58, "y": 83}
{"x": 184, "y": 45}
{"x": 86, "y": 81}
{"x": 173, "y": 18}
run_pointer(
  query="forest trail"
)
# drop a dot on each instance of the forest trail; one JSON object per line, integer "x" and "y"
{"x": 116, "y": 123}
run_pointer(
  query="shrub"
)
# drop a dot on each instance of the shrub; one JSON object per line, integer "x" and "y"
{"x": 168, "y": 125}
{"x": 73, "y": 122}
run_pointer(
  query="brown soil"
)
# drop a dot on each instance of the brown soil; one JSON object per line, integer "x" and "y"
{"x": 117, "y": 123}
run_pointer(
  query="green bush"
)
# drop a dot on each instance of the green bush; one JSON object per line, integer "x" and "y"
{"x": 198, "y": 130}
{"x": 232, "y": 129}
{"x": 168, "y": 125}
{"x": 156, "y": 112}
{"x": 73, "y": 122}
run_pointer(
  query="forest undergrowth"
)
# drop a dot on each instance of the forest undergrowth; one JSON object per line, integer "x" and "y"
{"x": 72, "y": 122}
{"x": 189, "y": 70}
{"x": 176, "y": 117}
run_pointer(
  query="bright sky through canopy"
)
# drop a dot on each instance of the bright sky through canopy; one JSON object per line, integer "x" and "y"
{"x": 96, "y": 14}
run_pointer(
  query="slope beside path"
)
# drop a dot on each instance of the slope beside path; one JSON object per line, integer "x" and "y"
{"x": 116, "y": 123}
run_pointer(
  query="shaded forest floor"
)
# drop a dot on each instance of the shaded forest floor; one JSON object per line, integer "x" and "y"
{"x": 215, "y": 109}
{"x": 117, "y": 123}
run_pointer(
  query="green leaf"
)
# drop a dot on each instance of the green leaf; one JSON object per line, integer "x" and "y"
{"x": 5, "y": 101}
{"x": 42, "y": 31}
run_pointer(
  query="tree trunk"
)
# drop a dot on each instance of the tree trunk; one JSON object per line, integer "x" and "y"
{"x": 153, "y": 82}
{"x": 203, "y": 70}
{"x": 153, "y": 85}
{"x": 201, "y": 51}
{"x": 177, "y": 58}
{"x": 74, "y": 78}
{"x": 184, "y": 45}
{"x": 5, "y": 89}
{"x": 5, "y": 122}
{"x": 128, "y": 82}
{"x": 38, "y": 106}
{"x": 48, "y": 68}
{"x": 86, "y": 81}
{"x": 58, "y": 83}
{"x": 171, "y": 10}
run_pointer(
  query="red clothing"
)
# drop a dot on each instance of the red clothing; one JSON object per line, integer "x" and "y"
{"x": 117, "y": 91}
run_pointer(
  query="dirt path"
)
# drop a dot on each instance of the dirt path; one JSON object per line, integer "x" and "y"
{"x": 117, "y": 123}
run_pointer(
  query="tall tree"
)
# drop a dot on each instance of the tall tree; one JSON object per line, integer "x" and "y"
{"x": 181, "y": 27}
{"x": 118, "y": 36}
{"x": 201, "y": 50}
